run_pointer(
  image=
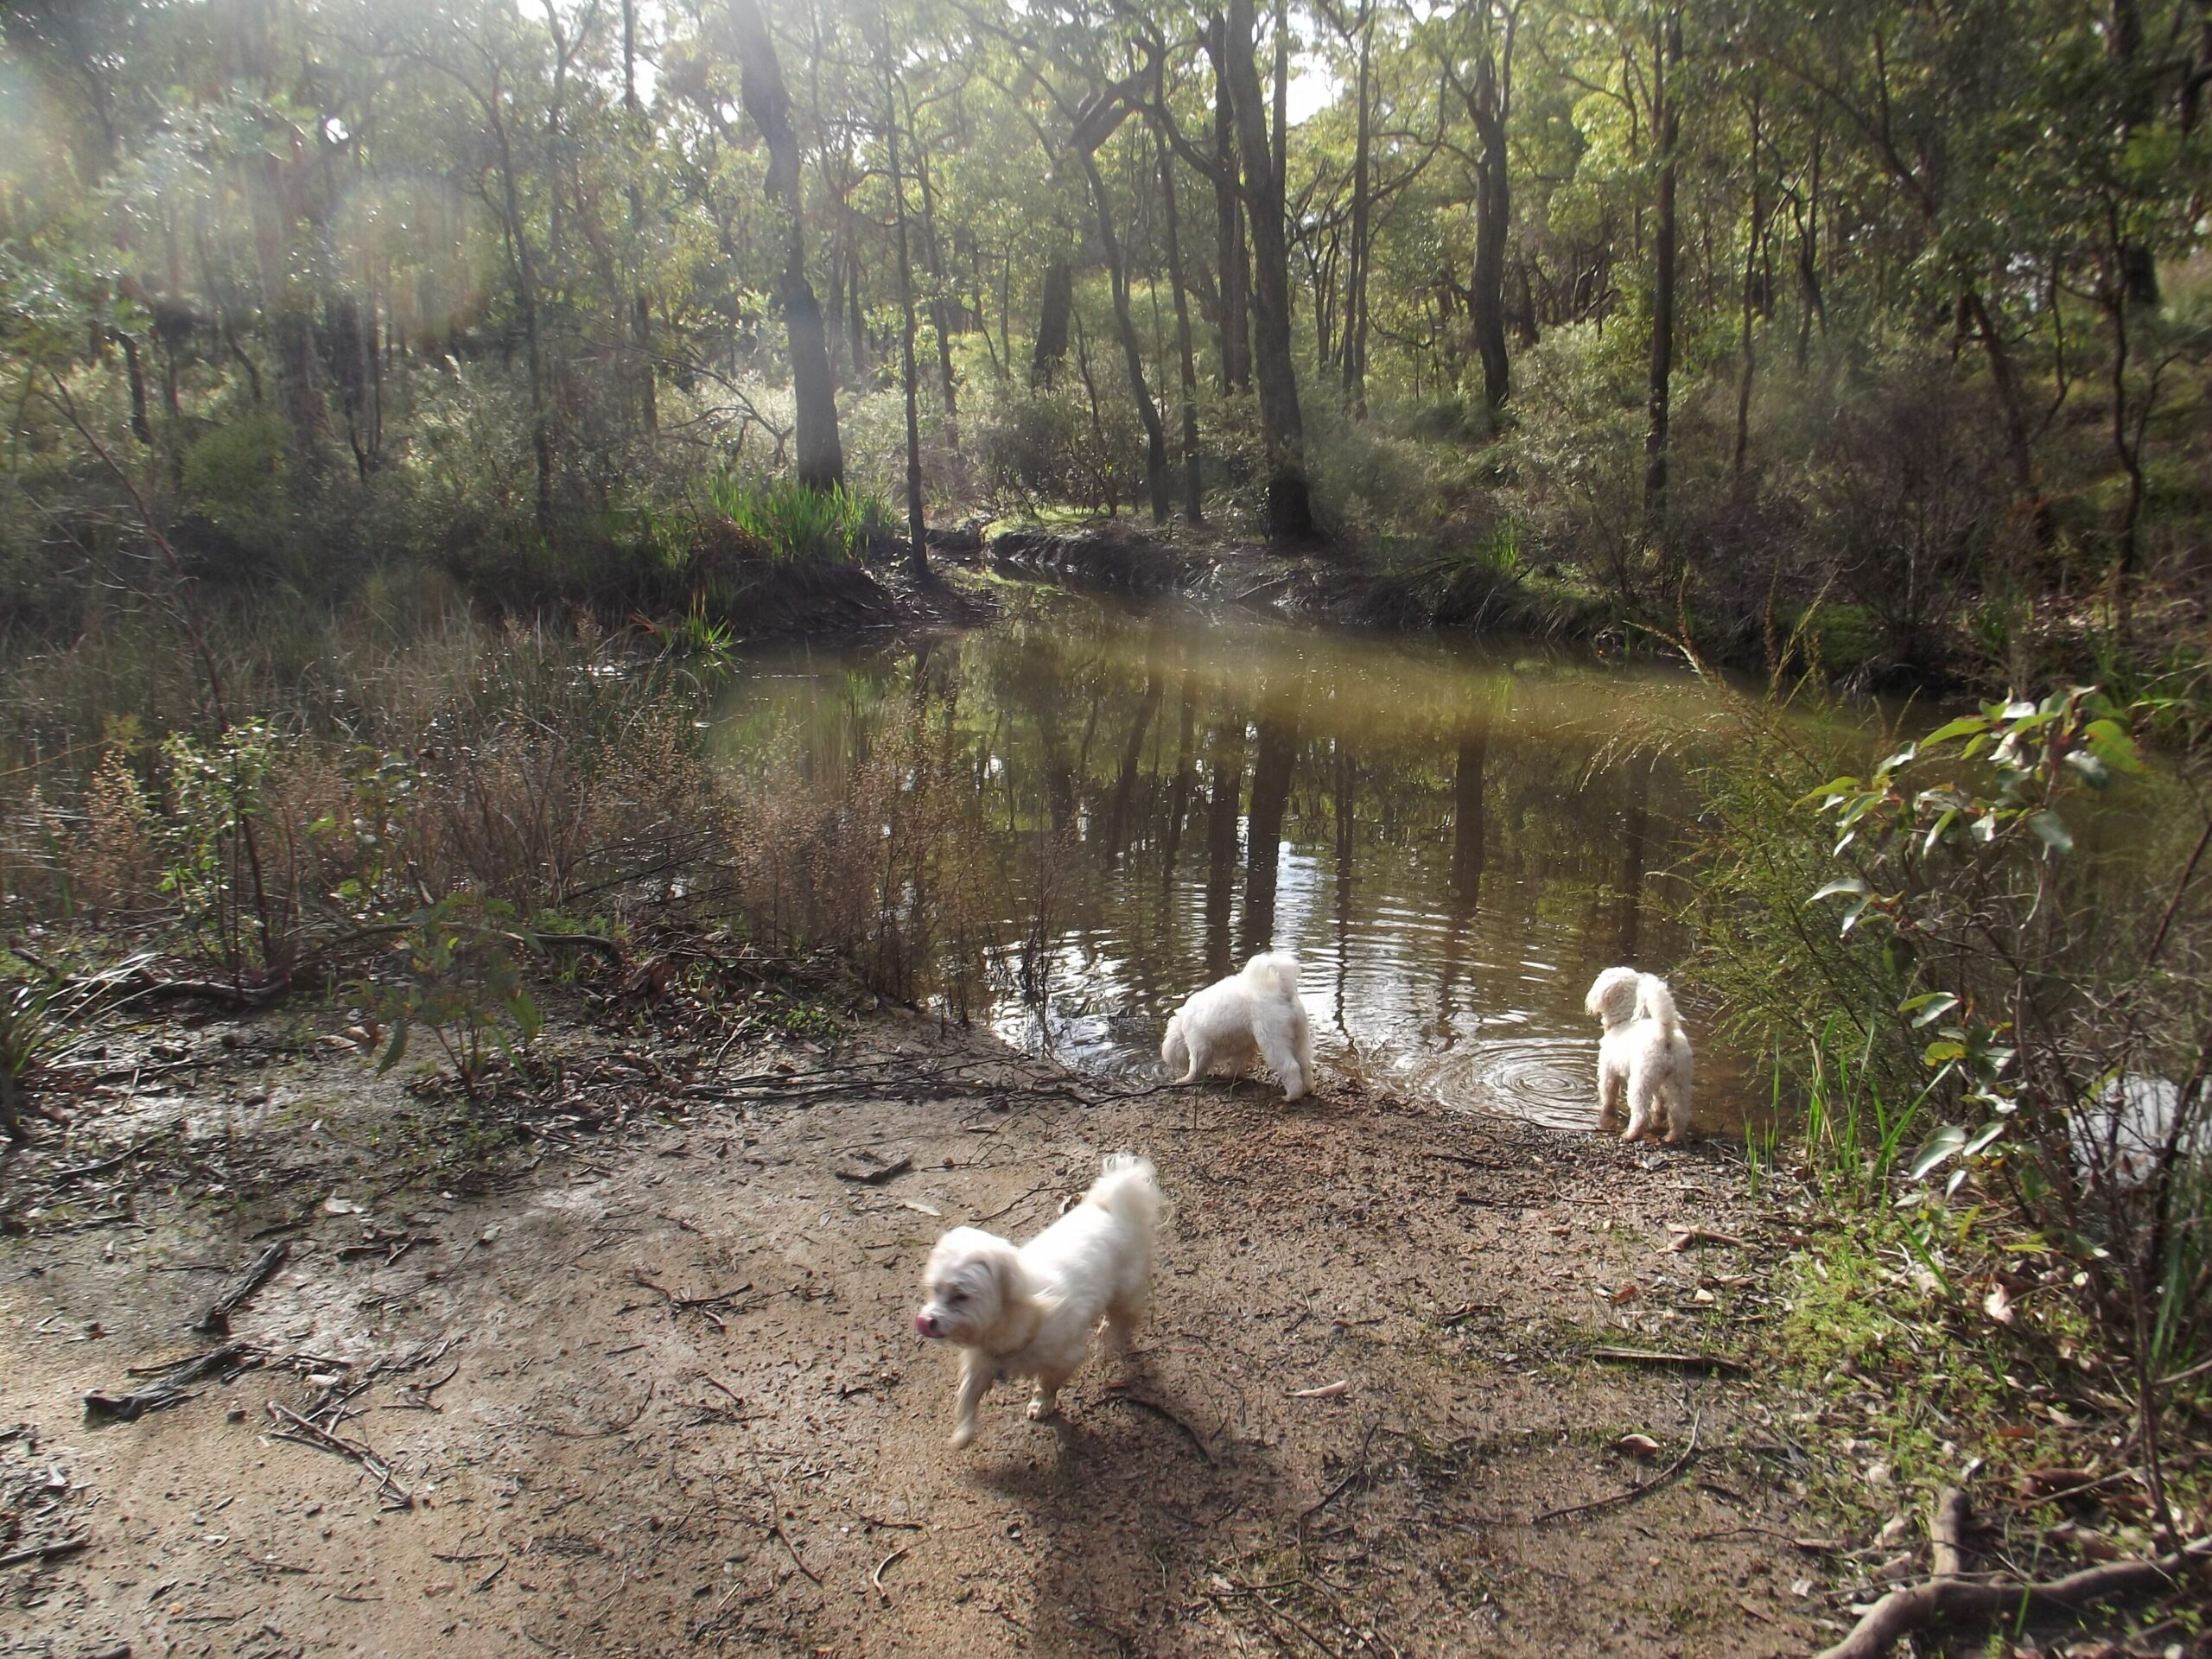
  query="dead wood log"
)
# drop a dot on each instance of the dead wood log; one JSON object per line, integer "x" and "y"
{"x": 169, "y": 1388}
{"x": 216, "y": 1321}
{"x": 1944, "y": 1600}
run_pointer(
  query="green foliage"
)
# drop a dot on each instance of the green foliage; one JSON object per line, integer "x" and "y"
{"x": 236, "y": 475}
{"x": 786, "y": 521}
{"x": 463, "y": 983}
{"x": 1938, "y": 851}
{"x": 216, "y": 793}
{"x": 27, "y": 1034}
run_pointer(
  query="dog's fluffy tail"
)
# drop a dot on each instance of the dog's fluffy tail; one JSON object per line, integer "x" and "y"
{"x": 1655, "y": 1001}
{"x": 1129, "y": 1191}
{"x": 1277, "y": 968}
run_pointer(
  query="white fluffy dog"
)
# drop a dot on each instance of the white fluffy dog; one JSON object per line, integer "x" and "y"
{"x": 1029, "y": 1312}
{"x": 1254, "y": 1015}
{"x": 1644, "y": 1055}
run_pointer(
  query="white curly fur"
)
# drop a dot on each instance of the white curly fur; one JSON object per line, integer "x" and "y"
{"x": 1029, "y": 1311}
{"x": 1250, "y": 1016}
{"x": 1644, "y": 1056}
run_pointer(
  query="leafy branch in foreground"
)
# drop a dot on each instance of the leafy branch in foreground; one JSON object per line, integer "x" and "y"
{"x": 2061, "y": 1007}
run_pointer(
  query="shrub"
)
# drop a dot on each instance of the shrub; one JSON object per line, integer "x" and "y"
{"x": 2046, "y": 1016}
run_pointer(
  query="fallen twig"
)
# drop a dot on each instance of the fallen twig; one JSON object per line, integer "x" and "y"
{"x": 705, "y": 1305}
{"x": 63, "y": 1177}
{"x": 1902, "y": 1612}
{"x": 609, "y": 1432}
{"x": 1634, "y": 1492}
{"x": 1686, "y": 1236}
{"x": 216, "y": 1321}
{"x": 795, "y": 1560}
{"x": 876, "y": 1577}
{"x": 1357, "y": 1469}
{"x": 1653, "y": 1356}
{"x": 53, "y": 1552}
{"x": 1122, "y": 1396}
{"x": 308, "y": 1433}
{"x": 168, "y": 1388}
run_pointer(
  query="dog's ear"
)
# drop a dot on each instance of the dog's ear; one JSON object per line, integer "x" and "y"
{"x": 1005, "y": 1268}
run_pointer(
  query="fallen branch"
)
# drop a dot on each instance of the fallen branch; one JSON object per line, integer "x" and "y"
{"x": 796, "y": 1559}
{"x": 1902, "y": 1612}
{"x": 1946, "y": 1533}
{"x": 216, "y": 1321}
{"x": 168, "y": 1388}
{"x": 705, "y": 1305}
{"x": 306, "y": 1433}
{"x": 1632, "y": 1493}
{"x": 1653, "y": 1356}
{"x": 1357, "y": 1469}
{"x": 63, "y": 1177}
{"x": 53, "y": 1552}
{"x": 1686, "y": 1236}
{"x": 612, "y": 1430}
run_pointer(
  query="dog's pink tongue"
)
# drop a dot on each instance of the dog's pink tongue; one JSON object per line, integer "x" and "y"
{"x": 922, "y": 1324}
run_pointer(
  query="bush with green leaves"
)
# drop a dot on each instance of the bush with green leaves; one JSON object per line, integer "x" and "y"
{"x": 2057, "y": 1008}
{"x": 211, "y": 844}
{"x": 463, "y": 984}
{"x": 788, "y": 522}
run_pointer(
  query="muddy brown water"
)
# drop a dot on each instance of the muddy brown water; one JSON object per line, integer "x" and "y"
{"x": 1453, "y": 837}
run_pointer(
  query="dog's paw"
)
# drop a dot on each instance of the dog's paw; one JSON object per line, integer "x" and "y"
{"x": 962, "y": 1435}
{"x": 1042, "y": 1409}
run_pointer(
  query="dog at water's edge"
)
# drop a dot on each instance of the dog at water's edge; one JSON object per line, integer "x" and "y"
{"x": 1643, "y": 1059}
{"x": 1253, "y": 1015}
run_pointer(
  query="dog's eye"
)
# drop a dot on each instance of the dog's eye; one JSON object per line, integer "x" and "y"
{"x": 956, "y": 1295}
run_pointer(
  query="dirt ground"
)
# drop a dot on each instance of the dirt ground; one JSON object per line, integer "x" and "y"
{"x": 650, "y": 1384}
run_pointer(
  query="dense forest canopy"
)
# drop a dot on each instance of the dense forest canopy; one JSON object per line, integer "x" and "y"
{"x": 1899, "y": 304}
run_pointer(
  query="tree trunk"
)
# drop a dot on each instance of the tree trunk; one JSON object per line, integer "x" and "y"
{"x": 941, "y": 313}
{"x": 2011, "y": 410}
{"x": 541, "y": 431}
{"x": 1052, "y": 314}
{"x": 1666, "y": 120}
{"x": 1290, "y": 508}
{"x": 1194, "y": 490}
{"x": 1808, "y": 257}
{"x": 1155, "y": 436}
{"x": 1354, "y": 336}
{"x": 1234, "y": 316}
{"x": 821, "y": 455}
{"x": 641, "y": 314}
{"x": 291, "y": 333}
{"x": 2139, "y": 267}
{"x": 1752, "y": 242}
{"x": 917, "y": 556}
{"x": 1486, "y": 107}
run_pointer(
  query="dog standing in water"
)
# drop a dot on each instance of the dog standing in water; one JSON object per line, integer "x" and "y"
{"x": 1644, "y": 1056}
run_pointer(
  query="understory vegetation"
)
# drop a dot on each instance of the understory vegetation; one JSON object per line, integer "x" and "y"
{"x": 1981, "y": 971}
